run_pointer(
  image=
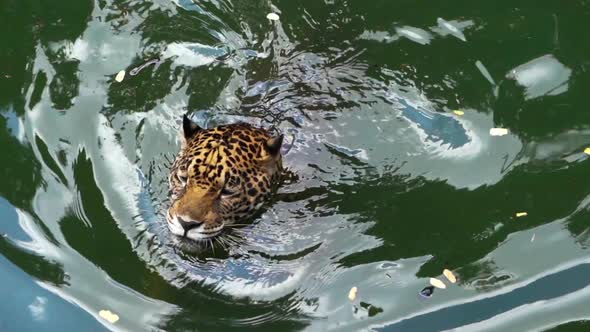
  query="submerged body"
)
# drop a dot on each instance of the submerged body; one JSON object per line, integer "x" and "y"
{"x": 220, "y": 176}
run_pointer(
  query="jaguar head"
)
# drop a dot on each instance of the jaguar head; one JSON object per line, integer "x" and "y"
{"x": 220, "y": 176}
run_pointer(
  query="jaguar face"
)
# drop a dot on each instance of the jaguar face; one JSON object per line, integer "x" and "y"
{"x": 220, "y": 176}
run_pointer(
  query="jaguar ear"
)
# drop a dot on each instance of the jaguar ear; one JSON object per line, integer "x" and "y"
{"x": 189, "y": 128}
{"x": 273, "y": 145}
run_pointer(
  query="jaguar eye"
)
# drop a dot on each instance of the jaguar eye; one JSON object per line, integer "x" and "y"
{"x": 182, "y": 178}
{"x": 226, "y": 192}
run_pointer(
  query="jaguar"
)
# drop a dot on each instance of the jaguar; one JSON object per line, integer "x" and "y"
{"x": 221, "y": 175}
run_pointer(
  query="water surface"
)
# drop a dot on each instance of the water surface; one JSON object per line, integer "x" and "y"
{"x": 391, "y": 185}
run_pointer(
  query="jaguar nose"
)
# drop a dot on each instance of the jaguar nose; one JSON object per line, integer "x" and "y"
{"x": 186, "y": 225}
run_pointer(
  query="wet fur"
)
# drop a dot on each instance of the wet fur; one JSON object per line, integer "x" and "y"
{"x": 222, "y": 175}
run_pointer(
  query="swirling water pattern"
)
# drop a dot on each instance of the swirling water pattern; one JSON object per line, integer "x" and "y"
{"x": 391, "y": 186}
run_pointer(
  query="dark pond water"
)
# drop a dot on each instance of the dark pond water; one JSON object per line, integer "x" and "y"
{"x": 392, "y": 185}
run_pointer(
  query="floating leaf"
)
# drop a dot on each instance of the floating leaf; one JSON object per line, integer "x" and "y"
{"x": 458, "y": 112}
{"x": 498, "y": 131}
{"x": 437, "y": 283}
{"x": 352, "y": 293}
{"x": 450, "y": 276}
{"x": 521, "y": 214}
{"x": 109, "y": 316}
{"x": 272, "y": 16}
{"x": 120, "y": 76}
{"x": 587, "y": 150}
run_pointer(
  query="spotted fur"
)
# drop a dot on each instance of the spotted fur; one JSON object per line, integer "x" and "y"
{"x": 220, "y": 176}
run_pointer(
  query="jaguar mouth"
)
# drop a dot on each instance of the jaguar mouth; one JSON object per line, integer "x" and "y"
{"x": 196, "y": 236}
{"x": 192, "y": 230}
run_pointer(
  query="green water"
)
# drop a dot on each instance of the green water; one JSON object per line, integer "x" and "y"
{"x": 391, "y": 186}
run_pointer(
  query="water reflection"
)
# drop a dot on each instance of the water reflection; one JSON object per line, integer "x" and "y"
{"x": 544, "y": 76}
{"x": 391, "y": 186}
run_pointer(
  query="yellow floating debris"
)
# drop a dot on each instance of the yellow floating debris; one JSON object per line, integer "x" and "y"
{"x": 458, "y": 112}
{"x": 521, "y": 214}
{"x": 437, "y": 283}
{"x": 120, "y": 76}
{"x": 450, "y": 276}
{"x": 587, "y": 150}
{"x": 498, "y": 131}
{"x": 109, "y": 316}
{"x": 352, "y": 293}
{"x": 272, "y": 16}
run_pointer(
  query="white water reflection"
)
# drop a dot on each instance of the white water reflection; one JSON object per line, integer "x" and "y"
{"x": 450, "y": 28}
{"x": 421, "y": 36}
{"x": 295, "y": 248}
{"x": 542, "y": 76}
{"x": 397, "y": 295}
{"x": 37, "y": 308}
{"x": 538, "y": 316}
{"x": 87, "y": 286}
{"x": 192, "y": 54}
{"x": 417, "y": 35}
